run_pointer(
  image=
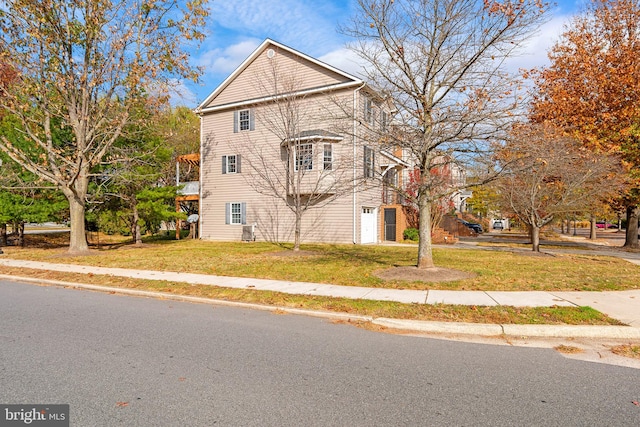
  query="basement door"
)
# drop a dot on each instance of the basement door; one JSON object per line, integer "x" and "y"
{"x": 368, "y": 225}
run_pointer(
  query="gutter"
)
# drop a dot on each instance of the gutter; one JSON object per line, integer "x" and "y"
{"x": 201, "y": 168}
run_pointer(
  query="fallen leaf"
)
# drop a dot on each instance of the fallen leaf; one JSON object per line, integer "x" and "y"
{"x": 122, "y": 404}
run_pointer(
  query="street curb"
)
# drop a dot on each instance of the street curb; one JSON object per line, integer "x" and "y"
{"x": 546, "y": 331}
{"x": 188, "y": 298}
{"x": 542, "y": 331}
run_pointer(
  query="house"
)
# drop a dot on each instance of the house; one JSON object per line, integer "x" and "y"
{"x": 286, "y": 130}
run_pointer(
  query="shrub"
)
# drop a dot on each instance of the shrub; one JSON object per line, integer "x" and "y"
{"x": 411, "y": 234}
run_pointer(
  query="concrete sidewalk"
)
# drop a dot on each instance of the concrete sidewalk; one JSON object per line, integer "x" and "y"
{"x": 623, "y": 305}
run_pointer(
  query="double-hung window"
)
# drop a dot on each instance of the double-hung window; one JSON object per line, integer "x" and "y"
{"x": 327, "y": 157}
{"x": 368, "y": 110}
{"x": 384, "y": 120}
{"x": 369, "y": 162}
{"x": 304, "y": 157}
{"x": 243, "y": 120}
{"x": 231, "y": 164}
{"x": 236, "y": 213}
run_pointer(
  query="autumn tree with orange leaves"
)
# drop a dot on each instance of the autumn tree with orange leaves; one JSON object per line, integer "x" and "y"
{"x": 592, "y": 90}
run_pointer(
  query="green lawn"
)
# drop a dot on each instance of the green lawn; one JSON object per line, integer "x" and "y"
{"x": 349, "y": 265}
{"x": 355, "y": 265}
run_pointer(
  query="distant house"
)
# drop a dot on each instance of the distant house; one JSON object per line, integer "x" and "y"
{"x": 349, "y": 177}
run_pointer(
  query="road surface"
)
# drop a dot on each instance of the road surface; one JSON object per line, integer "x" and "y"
{"x": 126, "y": 361}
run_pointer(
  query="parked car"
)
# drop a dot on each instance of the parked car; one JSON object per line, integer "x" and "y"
{"x": 497, "y": 225}
{"x": 473, "y": 226}
{"x": 601, "y": 224}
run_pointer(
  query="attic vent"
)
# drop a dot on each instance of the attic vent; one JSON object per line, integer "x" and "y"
{"x": 271, "y": 53}
{"x": 248, "y": 233}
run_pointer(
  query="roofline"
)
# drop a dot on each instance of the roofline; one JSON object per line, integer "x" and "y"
{"x": 394, "y": 158}
{"x": 255, "y": 54}
{"x": 254, "y": 101}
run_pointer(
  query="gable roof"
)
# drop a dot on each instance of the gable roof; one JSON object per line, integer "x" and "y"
{"x": 350, "y": 80}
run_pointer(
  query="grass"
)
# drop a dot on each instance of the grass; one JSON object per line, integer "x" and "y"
{"x": 568, "y": 349}
{"x": 438, "y": 312}
{"x": 347, "y": 265}
{"x": 353, "y": 265}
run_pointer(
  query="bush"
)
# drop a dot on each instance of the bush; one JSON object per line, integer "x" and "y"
{"x": 411, "y": 234}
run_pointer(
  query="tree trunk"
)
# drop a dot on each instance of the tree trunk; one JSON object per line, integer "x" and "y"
{"x": 135, "y": 226}
{"x": 592, "y": 228}
{"x": 3, "y": 234}
{"x": 562, "y": 226}
{"x": 77, "y": 238}
{"x": 619, "y": 222}
{"x": 76, "y": 197}
{"x": 425, "y": 247}
{"x": 19, "y": 231}
{"x": 631, "y": 239}
{"x": 535, "y": 238}
{"x": 296, "y": 233}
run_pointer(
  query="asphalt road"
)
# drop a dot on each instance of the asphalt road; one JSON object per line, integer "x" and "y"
{"x": 124, "y": 361}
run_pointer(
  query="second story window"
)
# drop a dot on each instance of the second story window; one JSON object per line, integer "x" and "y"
{"x": 243, "y": 120}
{"x": 368, "y": 110}
{"x": 327, "y": 157}
{"x": 369, "y": 162}
{"x": 304, "y": 157}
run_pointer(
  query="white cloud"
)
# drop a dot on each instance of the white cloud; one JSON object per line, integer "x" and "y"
{"x": 346, "y": 60}
{"x": 304, "y": 25}
{"x": 225, "y": 61}
{"x": 180, "y": 94}
{"x": 534, "y": 53}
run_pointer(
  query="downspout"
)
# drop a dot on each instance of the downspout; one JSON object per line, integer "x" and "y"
{"x": 355, "y": 152}
{"x": 200, "y": 164}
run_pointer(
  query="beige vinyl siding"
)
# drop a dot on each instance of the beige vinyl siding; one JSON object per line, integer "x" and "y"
{"x": 333, "y": 223}
{"x": 274, "y": 220}
{"x": 247, "y": 84}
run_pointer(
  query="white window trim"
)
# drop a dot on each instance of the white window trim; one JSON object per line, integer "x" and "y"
{"x": 229, "y": 213}
{"x": 368, "y": 111}
{"x": 235, "y": 163}
{"x": 248, "y": 122}
{"x": 244, "y": 124}
{"x": 369, "y": 162}
{"x": 297, "y": 148}
{"x": 327, "y": 162}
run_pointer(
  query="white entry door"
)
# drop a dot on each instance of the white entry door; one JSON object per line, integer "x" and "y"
{"x": 368, "y": 226}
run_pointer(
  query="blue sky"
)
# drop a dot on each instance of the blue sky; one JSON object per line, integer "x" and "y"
{"x": 237, "y": 27}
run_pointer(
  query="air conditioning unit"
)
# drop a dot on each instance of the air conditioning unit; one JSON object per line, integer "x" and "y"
{"x": 248, "y": 233}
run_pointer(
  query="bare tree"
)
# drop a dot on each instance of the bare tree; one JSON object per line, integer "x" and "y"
{"x": 305, "y": 170}
{"x": 442, "y": 62}
{"x": 547, "y": 174}
{"x": 80, "y": 65}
